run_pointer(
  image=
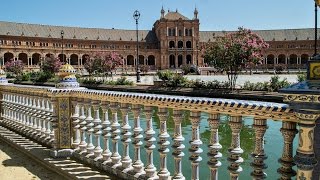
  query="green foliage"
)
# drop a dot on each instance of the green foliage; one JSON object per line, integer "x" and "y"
{"x": 123, "y": 81}
{"x": 272, "y": 86}
{"x": 91, "y": 81}
{"x": 165, "y": 75}
{"x": 41, "y": 76}
{"x": 186, "y": 68}
{"x": 234, "y": 52}
{"x": 177, "y": 81}
{"x": 301, "y": 77}
{"x": 94, "y": 82}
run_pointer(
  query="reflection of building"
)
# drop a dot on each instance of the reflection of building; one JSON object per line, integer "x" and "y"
{"x": 173, "y": 41}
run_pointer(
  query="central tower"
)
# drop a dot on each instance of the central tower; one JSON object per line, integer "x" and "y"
{"x": 178, "y": 39}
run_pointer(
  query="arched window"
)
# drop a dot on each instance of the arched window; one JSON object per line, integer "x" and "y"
{"x": 180, "y": 44}
{"x": 24, "y": 58}
{"x": 171, "y": 44}
{"x": 270, "y": 59}
{"x": 172, "y": 61}
{"x": 74, "y": 59}
{"x": 189, "y": 59}
{"x": 130, "y": 60}
{"x": 151, "y": 60}
{"x": 188, "y": 44}
{"x": 281, "y": 59}
{"x": 180, "y": 59}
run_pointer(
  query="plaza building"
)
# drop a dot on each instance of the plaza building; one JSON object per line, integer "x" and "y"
{"x": 173, "y": 41}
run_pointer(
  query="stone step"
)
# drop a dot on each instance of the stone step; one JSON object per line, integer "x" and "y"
{"x": 68, "y": 168}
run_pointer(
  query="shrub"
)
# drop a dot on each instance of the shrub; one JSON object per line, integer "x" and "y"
{"x": 177, "y": 81}
{"x": 301, "y": 77}
{"x": 186, "y": 68}
{"x": 91, "y": 81}
{"x": 123, "y": 81}
{"x": 15, "y": 67}
{"x": 51, "y": 64}
{"x": 165, "y": 75}
{"x": 41, "y": 76}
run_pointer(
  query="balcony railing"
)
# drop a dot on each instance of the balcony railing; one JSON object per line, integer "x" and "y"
{"x": 96, "y": 126}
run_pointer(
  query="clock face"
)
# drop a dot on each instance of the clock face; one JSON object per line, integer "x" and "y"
{"x": 316, "y": 71}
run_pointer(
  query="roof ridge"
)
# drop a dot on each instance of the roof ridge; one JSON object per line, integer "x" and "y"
{"x": 97, "y": 28}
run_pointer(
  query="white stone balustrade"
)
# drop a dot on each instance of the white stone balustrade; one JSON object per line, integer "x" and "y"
{"x": 133, "y": 148}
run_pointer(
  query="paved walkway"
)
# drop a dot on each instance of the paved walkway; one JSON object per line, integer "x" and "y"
{"x": 27, "y": 168}
{"x": 16, "y": 166}
{"x": 148, "y": 80}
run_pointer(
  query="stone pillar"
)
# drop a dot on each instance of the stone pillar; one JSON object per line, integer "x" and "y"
{"x": 288, "y": 131}
{"x": 178, "y": 145}
{"x": 150, "y": 168}
{"x": 195, "y": 143}
{"x": 305, "y": 157}
{"x": 163, "y": 144}
{"x": 260, "y": 127}
{"x": 235, "y": 150}
{"x": 214, "y": 146}
{"x": 61, "y": 115}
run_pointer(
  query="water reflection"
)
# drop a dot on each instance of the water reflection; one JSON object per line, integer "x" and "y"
{"x": 273, "y": 144}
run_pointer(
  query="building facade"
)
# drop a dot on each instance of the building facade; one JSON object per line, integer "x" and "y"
{"x": 174, "y": 40}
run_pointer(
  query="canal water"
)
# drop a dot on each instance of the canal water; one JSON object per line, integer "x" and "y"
{"x": 273, "y": 145}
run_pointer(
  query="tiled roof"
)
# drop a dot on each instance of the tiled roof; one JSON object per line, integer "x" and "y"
{"x": 175, "y": 16}
{"x": 48, "y": 31}
{"x": 269, "y": 35}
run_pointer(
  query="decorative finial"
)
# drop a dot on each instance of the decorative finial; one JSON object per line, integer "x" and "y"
{"x": 195, "y": 13}
{"x": 162, "y": 13}
{"x": 67, "y": 78}
{"x": 176, "y": 10}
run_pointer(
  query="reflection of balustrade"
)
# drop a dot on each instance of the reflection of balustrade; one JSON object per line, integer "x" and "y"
{"x": 119, "y": 145}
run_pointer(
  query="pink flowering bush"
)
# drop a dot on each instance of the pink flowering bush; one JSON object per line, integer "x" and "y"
{"x": 51, "y": 64}
{"x": 102, "y": 62}
{"x": 234, "y": 52}
{"x": 15, "y": 67}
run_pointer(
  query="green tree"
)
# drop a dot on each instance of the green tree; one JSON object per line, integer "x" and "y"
{"x": 234, "y": 52}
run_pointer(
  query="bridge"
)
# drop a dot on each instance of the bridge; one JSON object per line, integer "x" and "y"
{"x": 84, "y": 125}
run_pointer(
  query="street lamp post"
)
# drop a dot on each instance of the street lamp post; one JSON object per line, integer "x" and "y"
{"x": 316, "y": 25}
{"x": 136, "y": 16}
{"x": 62, "y": 34}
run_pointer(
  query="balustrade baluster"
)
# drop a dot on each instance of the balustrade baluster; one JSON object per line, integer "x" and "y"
{"x": 106, "y": 154}
{"x": 126, "y": 133}
{"x": 163, "y": 143}
{"x": 97, "y": 130}
{"x": 39, "y": 118}
{"x": 75, "y": 121}
{"x": 137, "y": 143}
{"x": 195, "y": 143}
{"x": 214, "y": 146}
{"x": 260, "y": 127}
{"x": 90, "y": 129}
{"x": 150, "y": 168}
{"x": 288, "y": 131}
{"x": 115, "y": 131}
{"x": 44, "y": 118}
{"x": 178, "y": 145}
{"x": 82, "y": 118}
{"x": 235, "y": 150}
{"x": 48, "y": 123}
{"x": 51, "y": 122}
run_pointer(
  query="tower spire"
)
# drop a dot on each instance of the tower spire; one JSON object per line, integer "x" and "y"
{"x": 162, "y": 13}
{"x": 195, "y": 13}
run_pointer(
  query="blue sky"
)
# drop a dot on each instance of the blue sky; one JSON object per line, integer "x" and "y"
{"x": 213, "y": 14}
